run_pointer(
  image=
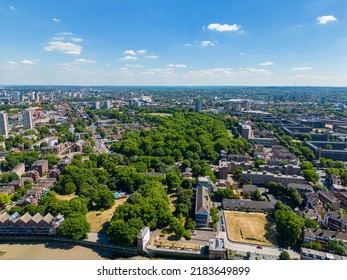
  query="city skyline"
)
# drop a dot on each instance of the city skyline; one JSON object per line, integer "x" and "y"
{"x": 176, "y": 43}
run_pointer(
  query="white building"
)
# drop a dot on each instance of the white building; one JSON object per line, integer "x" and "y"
{"x": 4, "y": 124}
{"x": 96, "y": 105}
{"x": 107, "y": 104}
{"x": 143, "y": 238}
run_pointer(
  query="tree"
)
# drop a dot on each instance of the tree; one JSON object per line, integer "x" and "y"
{"x": 289, "y": 226}
{"x": 87, "y": 150}
{"x": 309, "y": 223}
{"x": 318, "y": 187}
{"x": 284, "y": 256}
{"x": 310, "y": 175}
{"x": 124, "y": 233}
{"x": 75, "y": 226}
{"x": 104, "y": 199}
{"x": 259, "y": 162}
{"x": 336, "y": 246}
{"x": 172, "y": 180}
{"x": 238, "y": 174}
{"x": 313, "y": 245}
{"x": 305, "y": 137}
{"x": 4, "y": 199}
{"x": 69, "y": 188}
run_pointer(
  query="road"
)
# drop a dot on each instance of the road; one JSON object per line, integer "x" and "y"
{"x": 100, "y": 146}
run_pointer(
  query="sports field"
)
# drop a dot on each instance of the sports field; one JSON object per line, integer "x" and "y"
{"x": 254, "y": 228}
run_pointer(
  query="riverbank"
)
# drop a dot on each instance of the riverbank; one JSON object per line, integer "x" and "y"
{"x": 51, "y": 251}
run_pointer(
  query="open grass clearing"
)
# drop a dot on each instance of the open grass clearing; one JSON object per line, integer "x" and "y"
{"x": 65, "y": 197}
{"x": 97, "y": 219}
{"x": 160, "y": 114}
{"x": 253, "y": 228}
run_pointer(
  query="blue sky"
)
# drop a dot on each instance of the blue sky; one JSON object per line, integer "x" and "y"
{"x": 174, "y": 42}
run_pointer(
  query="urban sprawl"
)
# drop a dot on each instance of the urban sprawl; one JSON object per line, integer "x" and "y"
{"x": 176, "y": 172}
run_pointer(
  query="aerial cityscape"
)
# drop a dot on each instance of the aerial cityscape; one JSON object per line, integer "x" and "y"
{"x": 197, "y": 131}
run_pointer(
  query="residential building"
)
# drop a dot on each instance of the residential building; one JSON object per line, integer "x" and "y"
{"x": 301, "y": 188}
{"x": 198, "y": 105}
{"x": 267, "y": 142}
{"x": 335, "y": 221}
{"x": 4, "y": 128}
{"x": 28, "y": 122}
{"x": 328, "y": 198}
{"x": 36, "y": 225}
{"x": 310, "y": 254}
{"x": 246, "y": 131}
{"x": 288, "y": 169}
{"x": 19, "y": 169}
{"x": 41, "y": 166}
{"x": 248, "y": 205}
{"x": 96, "y": 105}
{"x": 107, "y": 104}
{"x": 263, "y": 178}
{"x": 328, "y": 150}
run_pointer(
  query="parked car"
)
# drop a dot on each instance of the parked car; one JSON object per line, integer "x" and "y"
{"x": 259, "y": 247}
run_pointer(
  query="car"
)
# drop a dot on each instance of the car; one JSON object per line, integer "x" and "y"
{"x": 259, "y": 247}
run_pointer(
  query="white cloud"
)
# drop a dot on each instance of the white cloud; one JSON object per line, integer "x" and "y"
{"x": 77, "y": 40}
{"x": 188, "y": 45}
{"x": 326, "y": 19}
{"x": 134, "y": 53}
{"x": 27, "y": 62}
{"x": 82, "y": 60}
{"x": 133, "y": 65}
{"x": 11, "y": 62}
{"x": 130, "y": 52}
{"x": 241, "y": 53}
{"x": 301, "y": 68}
{"x": 56, "y": 20}
{"x": 12, "y": 8}
{"x": 207, "y": 43}
{"x": 152, "y": 56}
{"x": 11, "y": 65}
{"x": 223, "y": 27}
{"x": 176, "y": 65}
{"x": 128, "y": 57}
{"x": 61, "y": 38}
{"x": 267, "y": 63}
{"x": 67, "y": 48}
{"x": 65, "y": 33}
{"x": 254, "y": 71}
{"x": 141, "y": 51}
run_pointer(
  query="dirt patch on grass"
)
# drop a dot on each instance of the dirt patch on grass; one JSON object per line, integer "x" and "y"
{"x": 97, "y": 219}
{"x": 254, "y": 228}
{"x": 172, "y": 200}
{"x": 65, "y": 197}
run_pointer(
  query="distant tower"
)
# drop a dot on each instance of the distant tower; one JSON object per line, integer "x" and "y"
{"x": 16, "y": 96}
{"x": 198, "y": 105}
{"x": 96, "y": 105}
{"x": 4, "y": 124}
{"x": 28, "y": 119}
{"x": 107, "y": 104}
{"x": 247, "y": 105}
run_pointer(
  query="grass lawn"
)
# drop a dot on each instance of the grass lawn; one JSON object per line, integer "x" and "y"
{"x": 65, "y": 197}
{"x": 160, "y": 114}
{"x": 254, "y": 228}
{"x": 97, "y": 219}
{"x": 172, "y": 200}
